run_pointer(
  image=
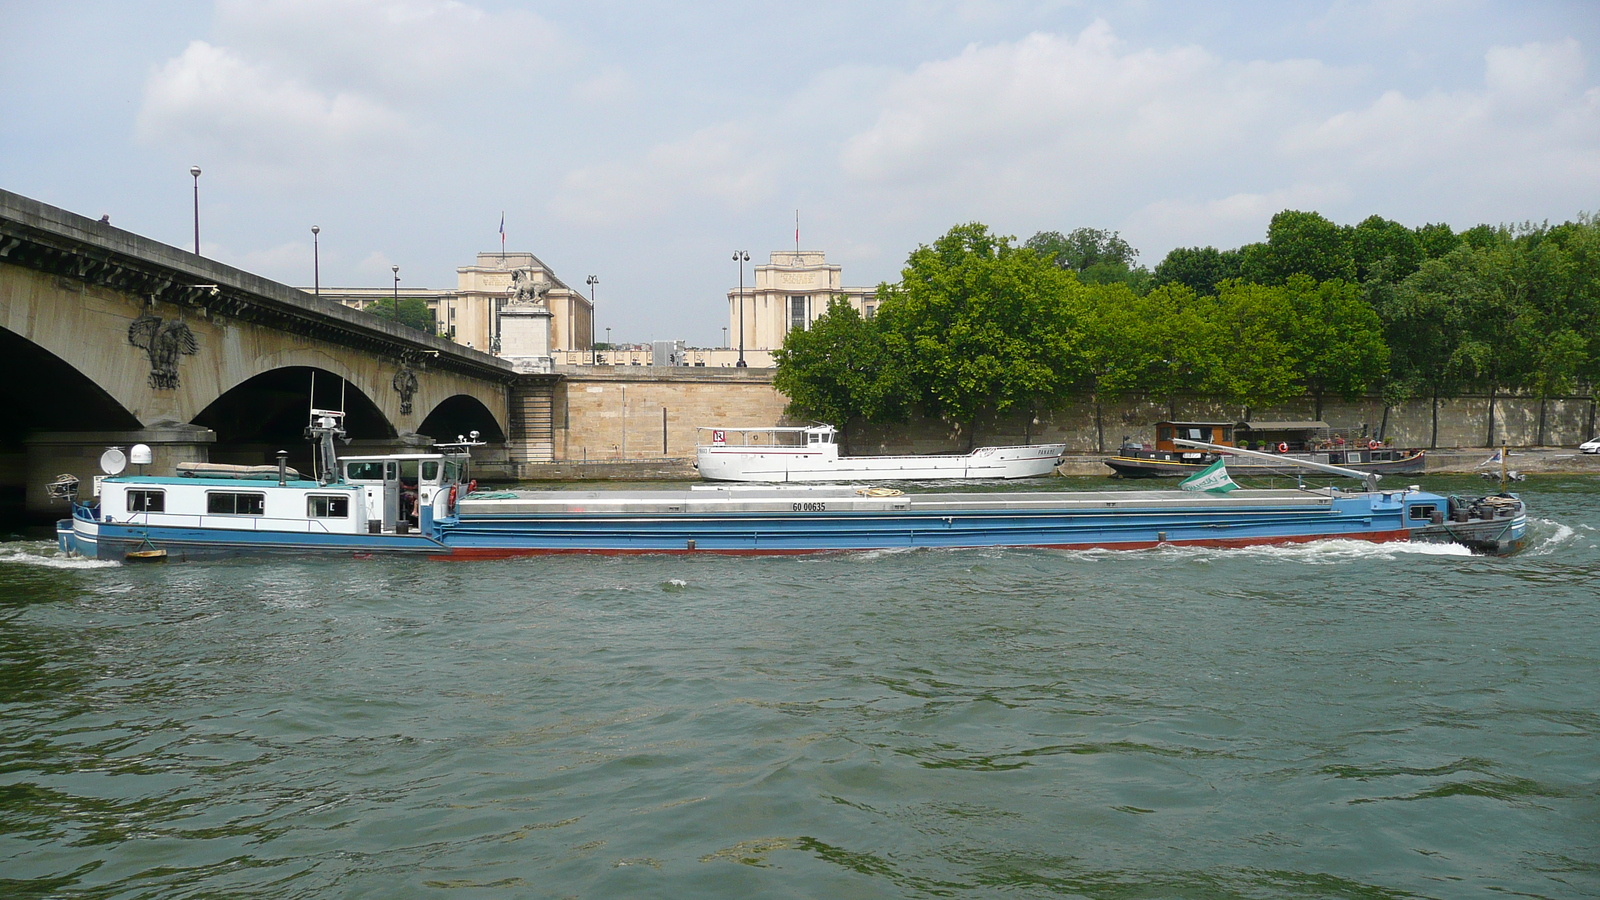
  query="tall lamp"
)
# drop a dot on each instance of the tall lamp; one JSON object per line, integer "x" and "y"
{"x": 741, "y": 257}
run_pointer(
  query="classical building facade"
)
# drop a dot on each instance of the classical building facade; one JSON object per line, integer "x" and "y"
{"x": 471, "y": 314}
{"x": 788, "y": 294}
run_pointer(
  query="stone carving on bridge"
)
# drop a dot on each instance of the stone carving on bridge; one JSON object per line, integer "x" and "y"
{"x": 405, "y": 384}
{"x": 525, "y": 290}
{"x": 165, "y": 342}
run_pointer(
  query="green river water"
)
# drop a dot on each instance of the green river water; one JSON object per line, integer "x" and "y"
{"x": 1331, "y": 720}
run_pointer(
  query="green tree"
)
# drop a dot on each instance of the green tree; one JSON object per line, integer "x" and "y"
{"x": 1337, "y": 339}
{"x": 1299, "y": 243}
{"x": 840, "y": 369}
{"x": 1083, "y": 249}
{"x": 1197, "y": 268}
{"x": 413, "y": 312}
{"x": 984, "y": 326}
{"x": 1241, "y": 349}
{"x": 1384, "y": 249}
{"x": 1435, "y": 240}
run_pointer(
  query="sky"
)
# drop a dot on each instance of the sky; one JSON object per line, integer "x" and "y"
{"x": 644, "y": 142}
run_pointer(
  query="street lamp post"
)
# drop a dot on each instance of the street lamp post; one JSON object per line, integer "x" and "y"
{"x": 741, "y": 257}
{"x": 195, "y": 171}
{"x": 593, "y": 354}
{"x": 316, "y": 262}
{"x": 394, "y": 311}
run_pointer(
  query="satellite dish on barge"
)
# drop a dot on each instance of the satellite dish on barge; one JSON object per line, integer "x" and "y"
{"x": 113, "y": 461}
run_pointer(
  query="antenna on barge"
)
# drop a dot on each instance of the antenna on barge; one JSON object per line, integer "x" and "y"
{"x": 326, "y": 424}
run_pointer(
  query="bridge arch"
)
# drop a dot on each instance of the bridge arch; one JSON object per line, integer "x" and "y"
{"x": 268, "y": 412}
{"x": 60, "y": 396}
{"x": 459, "y": 415}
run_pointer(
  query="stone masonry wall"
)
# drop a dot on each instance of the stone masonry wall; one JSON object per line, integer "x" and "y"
{"x": 594, "y": 407}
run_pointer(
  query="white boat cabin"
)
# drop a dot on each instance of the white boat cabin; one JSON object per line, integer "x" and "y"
{"x": 378, "y": 494}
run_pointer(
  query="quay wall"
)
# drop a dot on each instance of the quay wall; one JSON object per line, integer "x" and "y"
{"x": 606, "y": 414}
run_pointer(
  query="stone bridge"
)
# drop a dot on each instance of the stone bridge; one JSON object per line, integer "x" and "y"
{"x": 108, "y": 338}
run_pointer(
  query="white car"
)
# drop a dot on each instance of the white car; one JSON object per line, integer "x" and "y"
{"x": 1590, "y": 446}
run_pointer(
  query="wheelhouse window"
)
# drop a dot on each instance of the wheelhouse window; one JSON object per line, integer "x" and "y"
{"x": 147, "y": 501}
{"x": 363, "y": 471}
{"x": 328, "y": 506}
{"x": 430, "y": 471}
{"x": 1422, "y": 512}
{"x": 228, "y": 503}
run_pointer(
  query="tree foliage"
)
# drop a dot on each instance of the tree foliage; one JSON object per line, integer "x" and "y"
{"x": 412, "y": 312}
{"x": 977, "y": 324}
{"x": 985, "y": 325}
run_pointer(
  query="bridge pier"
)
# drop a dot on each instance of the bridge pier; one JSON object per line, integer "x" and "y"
{"x": 52, "y": 453}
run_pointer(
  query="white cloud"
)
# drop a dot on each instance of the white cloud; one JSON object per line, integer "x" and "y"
{"x": 341, "y": 81}
{"x": 725, "y": 164}
{"x": 210, "y": 96}
{"x": 404, "y": 50}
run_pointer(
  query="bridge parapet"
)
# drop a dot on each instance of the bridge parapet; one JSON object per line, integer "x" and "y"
{"x": 45, "y": 238}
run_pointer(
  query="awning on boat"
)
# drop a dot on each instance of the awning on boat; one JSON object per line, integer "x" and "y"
{"x": 1284, "y": 426}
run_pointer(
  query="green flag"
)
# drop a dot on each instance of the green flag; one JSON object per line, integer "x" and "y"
{"x": 1214, "y": 479}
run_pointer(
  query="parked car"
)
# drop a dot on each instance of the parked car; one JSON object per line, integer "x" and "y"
{"x": 1590, "y": 446}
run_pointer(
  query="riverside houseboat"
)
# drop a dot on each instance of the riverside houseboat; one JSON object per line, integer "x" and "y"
{"x": 1286, "y": 443}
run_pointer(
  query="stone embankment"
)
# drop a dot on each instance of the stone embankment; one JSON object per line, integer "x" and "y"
{"x": 1532, "y": 461}
{"x": 1529, "y": 461}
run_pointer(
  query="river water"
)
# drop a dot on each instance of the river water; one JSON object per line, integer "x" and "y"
{"x": 1332, "y": 720}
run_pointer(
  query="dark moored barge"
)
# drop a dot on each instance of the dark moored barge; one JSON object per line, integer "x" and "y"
{"x": 1290, "y": 442}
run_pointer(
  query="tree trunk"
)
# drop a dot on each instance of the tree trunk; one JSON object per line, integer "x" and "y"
{"x": 1317, "y": 397}
{"x": 1492, "y": 387}
{"x": 1539, "y": 441}
{"x": 1383, "y": 426}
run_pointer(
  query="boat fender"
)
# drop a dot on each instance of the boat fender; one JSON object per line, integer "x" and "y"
{"x": 1283, "y": 447}
{"x": 451, "y": 506}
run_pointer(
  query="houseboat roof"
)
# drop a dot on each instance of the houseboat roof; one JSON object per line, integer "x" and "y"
{"x": 1284, "y": 426}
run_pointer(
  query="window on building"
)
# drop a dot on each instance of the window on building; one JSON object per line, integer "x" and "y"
{"x": 328, "y": 506}
{"x": 871, "y": 311}
{"x": 227, "y": 503}
{"x": 147, "y": 501}
{"x": 797, "y": 314}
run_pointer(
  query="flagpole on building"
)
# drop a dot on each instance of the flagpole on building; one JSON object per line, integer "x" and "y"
{"x": 502, "y": 236}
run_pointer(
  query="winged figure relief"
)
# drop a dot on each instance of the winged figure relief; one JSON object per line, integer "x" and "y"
{"x": 164, "y": 342}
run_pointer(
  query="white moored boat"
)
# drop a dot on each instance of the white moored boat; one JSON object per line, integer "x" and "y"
{"x": 812, "y": 454}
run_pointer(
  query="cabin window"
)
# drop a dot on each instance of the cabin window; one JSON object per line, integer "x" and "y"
{"x": 430, "y": 471}
{"x": 363, "y": 471}
{"x": 324, "y": 506}
{"x": 227, "y": 503}
{"x": 450, "y": 472}
{"x": 1164, "y": 433}
{"x": 1421, "y": 513}
{"x": 815, "y": 439}
{"x": 147, "y": 501}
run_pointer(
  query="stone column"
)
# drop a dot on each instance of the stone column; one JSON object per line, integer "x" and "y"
{"x": 525, "y": 337}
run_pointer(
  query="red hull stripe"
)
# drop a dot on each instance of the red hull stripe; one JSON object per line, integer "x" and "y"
{"x": 1376, "y": 537}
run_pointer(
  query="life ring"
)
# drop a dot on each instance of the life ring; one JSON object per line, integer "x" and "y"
{"x": 1373, "y": 445}
{"x": 451, "y": 506}
{"x": 1283, "y": 447}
